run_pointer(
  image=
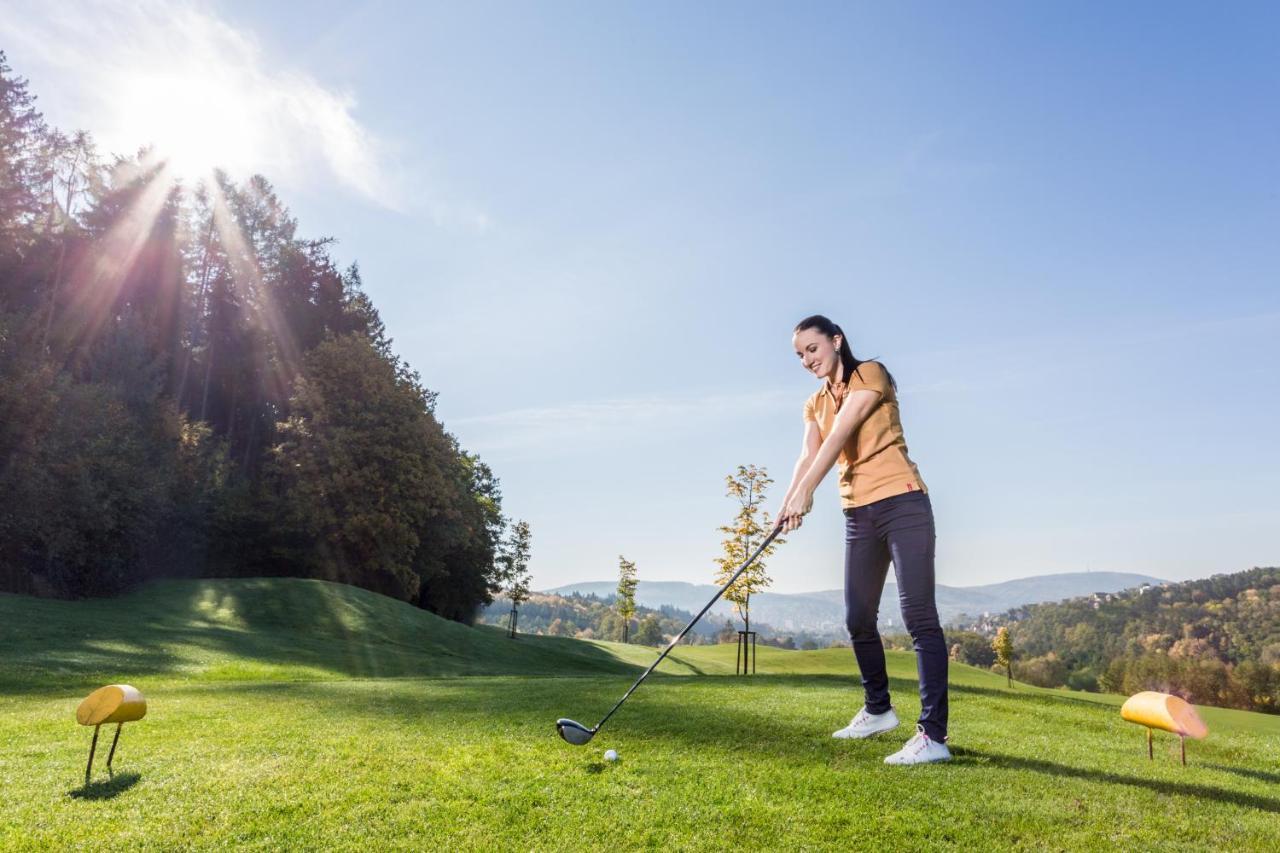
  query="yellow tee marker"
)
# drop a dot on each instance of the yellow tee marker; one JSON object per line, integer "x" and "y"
{"x": 115, "y": 703}
{"x": 1163, "y": 711}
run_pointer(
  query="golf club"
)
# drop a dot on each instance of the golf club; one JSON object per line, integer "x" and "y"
{"x": 578, "y": 734}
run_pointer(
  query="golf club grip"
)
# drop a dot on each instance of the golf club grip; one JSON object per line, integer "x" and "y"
{"x": 777, "y": 529}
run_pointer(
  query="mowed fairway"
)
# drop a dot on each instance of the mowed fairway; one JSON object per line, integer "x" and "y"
{"x": 290, "y": 714}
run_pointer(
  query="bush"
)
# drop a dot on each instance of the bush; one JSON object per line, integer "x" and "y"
{"x": 1043, "y": 671}
{"x": 1083, "y": 679}
{"x": 649, "y": 632}
{"x": 972, "y": 648}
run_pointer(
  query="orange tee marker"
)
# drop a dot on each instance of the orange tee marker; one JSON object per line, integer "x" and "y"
{"x": 115, "y": 703}
{"x": 1163, "y": 711}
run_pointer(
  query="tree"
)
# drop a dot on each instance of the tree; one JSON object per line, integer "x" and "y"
{"x": 456, "y": 558}
{"x": 361, "y": 471}
{"x": 626, "y": 603}
{"x": 22, "y": 138}
{"x": 649, "y": 631}
{"x": 747, "y": 487}
{"x": 610, "y": 627}
{"x": 74, "y": 175}
{"x": 972, "y": 648}
{"x": 187, "y": 387}
{"x": 1002, "y": 645}
{"x": 515, "y": 569}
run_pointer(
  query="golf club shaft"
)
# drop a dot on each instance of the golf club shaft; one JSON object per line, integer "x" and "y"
{"x": 777, "y": 529}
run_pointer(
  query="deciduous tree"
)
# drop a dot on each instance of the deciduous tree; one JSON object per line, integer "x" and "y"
{"x": 515, "y": 573}
{"x": 750, "y": 524}
{"x": 1002, "y": 645}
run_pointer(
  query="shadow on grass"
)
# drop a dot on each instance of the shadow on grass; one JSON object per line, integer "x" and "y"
{"x": 963, "y": 756}
{"x": 697, "y": 714}
{"x": 1026, "y": 696}
{"x": 496, "y": 696}
{"x": 1260, "y": 775}
{"x": 685, "y": 713}
{"x": 108, "y": 789}
{"x": 167, "y": 626}
{"x": 674, "y": 658}
{"x": 688, "y": 716}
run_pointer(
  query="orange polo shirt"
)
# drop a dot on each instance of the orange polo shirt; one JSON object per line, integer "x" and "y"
{"x": 873, "y": 464}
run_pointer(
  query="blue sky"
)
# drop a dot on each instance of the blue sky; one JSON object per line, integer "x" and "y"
{"x": 592, "y": 227}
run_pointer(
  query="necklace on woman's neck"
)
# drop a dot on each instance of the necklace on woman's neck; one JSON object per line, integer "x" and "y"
{"x": 837, "y": 378}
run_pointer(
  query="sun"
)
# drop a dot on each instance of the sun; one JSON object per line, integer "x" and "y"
{"x": 194, "y": 123}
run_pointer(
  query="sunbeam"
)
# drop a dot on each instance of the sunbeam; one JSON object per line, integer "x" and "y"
{"x": 247, "y": 274}
{"x": 100, "y": 276}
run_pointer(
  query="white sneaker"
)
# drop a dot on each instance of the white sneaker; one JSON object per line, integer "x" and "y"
{"x": 866, "y": 725}
{"x": 921, "y": 749}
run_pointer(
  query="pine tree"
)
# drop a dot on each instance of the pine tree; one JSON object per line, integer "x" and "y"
{"x": 74, "y": 176}
{"x": 180, "y": 371}
{"x": 22, "y": 137}
{"x": 626, "y": 603}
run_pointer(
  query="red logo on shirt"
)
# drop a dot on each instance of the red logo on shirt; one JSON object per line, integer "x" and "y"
{"x": 911, "y": 487}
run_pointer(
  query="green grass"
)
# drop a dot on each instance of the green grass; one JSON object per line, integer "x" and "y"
{"x": 274, "y": 629}
{"x": 286, "y": 714}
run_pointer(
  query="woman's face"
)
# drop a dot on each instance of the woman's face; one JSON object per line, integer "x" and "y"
{"x": 819, "y": 354}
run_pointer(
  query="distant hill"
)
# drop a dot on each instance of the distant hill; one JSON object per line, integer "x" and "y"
{"x": 594, "y": 618}
{"x": 822, "y": 612}
{"x": 1213, "y": 641}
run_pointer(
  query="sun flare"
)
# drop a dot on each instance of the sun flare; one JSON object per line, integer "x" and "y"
{"x": 195, "y": 124}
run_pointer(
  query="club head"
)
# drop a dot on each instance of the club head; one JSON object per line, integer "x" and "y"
{"x": 574, "y": 733}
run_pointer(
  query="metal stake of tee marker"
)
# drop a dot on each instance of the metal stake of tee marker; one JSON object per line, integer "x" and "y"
{"x": 115, "y": 703}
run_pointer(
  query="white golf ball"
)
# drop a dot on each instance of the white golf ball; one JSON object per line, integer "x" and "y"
{"x": 611, "y": 755}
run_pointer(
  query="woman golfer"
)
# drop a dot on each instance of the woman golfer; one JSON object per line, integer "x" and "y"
{"x": 853, "y": 417}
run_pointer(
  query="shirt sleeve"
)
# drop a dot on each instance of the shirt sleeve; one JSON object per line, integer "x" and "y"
{"x": 869, "y": 376}
{"x": 809, "y": 414}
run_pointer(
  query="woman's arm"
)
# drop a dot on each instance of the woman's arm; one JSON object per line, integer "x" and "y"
{"x": 852, "y": 413}
{"x": 808, "y": 452}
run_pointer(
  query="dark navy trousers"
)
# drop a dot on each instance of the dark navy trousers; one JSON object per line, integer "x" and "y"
{"x": 900, "y": 530}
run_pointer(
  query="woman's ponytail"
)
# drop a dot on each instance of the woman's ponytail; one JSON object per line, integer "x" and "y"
{"x": 846, "y": 354}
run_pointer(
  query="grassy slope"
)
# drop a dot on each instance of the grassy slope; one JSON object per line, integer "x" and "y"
{"x": 269, "y": 628}
{"x": 314, "y": 745}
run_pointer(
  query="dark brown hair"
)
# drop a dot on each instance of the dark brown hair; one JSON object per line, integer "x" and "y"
{"x": 847, "y": 358}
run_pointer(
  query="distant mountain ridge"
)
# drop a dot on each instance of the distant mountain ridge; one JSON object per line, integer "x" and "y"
{"x": 822, "y": 612}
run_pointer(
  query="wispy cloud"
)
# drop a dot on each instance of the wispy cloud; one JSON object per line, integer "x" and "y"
{"x": 623, "y": 419}
{"x": 616, "y": 418}
{"x": 1021, "y": 362}
{"x": 175, "y": 74}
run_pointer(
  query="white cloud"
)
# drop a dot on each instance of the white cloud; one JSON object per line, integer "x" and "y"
{"x": 572, "y": 424}
{"x": 575, "y": 424}
{"x": 175, "y": 75}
